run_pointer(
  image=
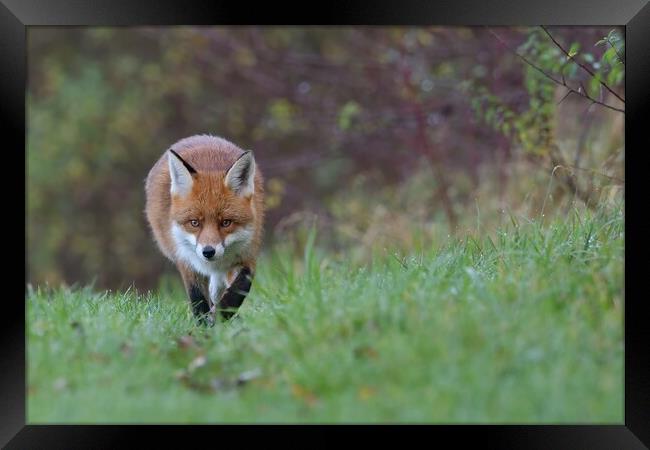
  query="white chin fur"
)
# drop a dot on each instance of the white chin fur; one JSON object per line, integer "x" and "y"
{"x": 188, "y": 251}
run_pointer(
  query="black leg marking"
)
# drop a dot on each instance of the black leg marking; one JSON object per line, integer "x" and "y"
{"x": 200, "y": 305}
{"x": 235, "y": 294}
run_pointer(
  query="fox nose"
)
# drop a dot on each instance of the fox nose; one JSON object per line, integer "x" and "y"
{"x": 209, "y": 251}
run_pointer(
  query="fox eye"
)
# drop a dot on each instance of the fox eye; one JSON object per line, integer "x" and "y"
{"x": 194, "y": 223}
{"x": 226, "y": 223}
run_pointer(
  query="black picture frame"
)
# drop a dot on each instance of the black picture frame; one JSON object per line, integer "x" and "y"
{"x": 634, "y": 15}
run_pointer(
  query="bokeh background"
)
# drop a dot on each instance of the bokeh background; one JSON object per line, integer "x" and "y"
{"x": 382, "y": 137}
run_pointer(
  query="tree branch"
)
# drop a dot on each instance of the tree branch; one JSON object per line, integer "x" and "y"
{"x": 621, "y": 58}
{"x": 585, "y": 68}
{"x": 581, "y": 92}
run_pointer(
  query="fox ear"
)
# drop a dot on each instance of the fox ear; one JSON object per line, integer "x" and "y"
{"x": 240, "y": 178}
{"x": 181, "y": 174}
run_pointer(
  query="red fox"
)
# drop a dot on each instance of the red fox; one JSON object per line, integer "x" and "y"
{"x": 205, "y": 207}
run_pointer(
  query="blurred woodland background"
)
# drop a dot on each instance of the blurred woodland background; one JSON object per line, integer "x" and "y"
{"x": 385, "y": 138}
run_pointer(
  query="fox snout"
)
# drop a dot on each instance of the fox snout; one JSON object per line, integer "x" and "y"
{"x": 211, "y": 252}
{"x": 208, "y": 251}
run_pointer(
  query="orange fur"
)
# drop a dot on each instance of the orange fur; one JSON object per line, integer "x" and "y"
{"x": 209, "y": 201}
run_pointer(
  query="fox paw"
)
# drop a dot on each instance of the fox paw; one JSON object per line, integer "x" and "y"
{"x": 235, "y": 294}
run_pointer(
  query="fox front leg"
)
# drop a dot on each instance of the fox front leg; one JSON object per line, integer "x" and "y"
{"x": 235, "y": 294}
{"x": 196, "y": 286}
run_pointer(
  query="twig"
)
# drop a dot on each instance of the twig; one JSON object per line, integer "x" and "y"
{"x": 582, "y": 93}
{"x": 585, "y": 68}
{"x": 565, "y": 96}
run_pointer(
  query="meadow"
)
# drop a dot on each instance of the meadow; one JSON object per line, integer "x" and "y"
{"x": 522, "y": 325}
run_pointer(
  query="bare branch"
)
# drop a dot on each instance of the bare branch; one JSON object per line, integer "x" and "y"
{"x": 552, "y": 78}
{"x": 565, "y": 96}
{"x": 585, "y": 68}
{"x": 526, "y": 60}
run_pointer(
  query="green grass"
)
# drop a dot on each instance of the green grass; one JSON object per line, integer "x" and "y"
{"x": 525, "y": 326}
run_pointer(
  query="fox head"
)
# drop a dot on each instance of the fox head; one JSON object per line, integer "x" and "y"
{"x": 211, "y": 212}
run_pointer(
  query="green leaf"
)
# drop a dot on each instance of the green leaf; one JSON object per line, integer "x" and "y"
{"x": 613, "y": 36}
{"x": 574, "y": 49}
{"x": 573, "y": 70}
{"x": 615, "y": 76}
{"x": 610, "y": 56}
{"x": 348, "y": 112}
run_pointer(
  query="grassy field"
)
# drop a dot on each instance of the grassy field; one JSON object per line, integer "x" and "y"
{"x": 523, "y": 326}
